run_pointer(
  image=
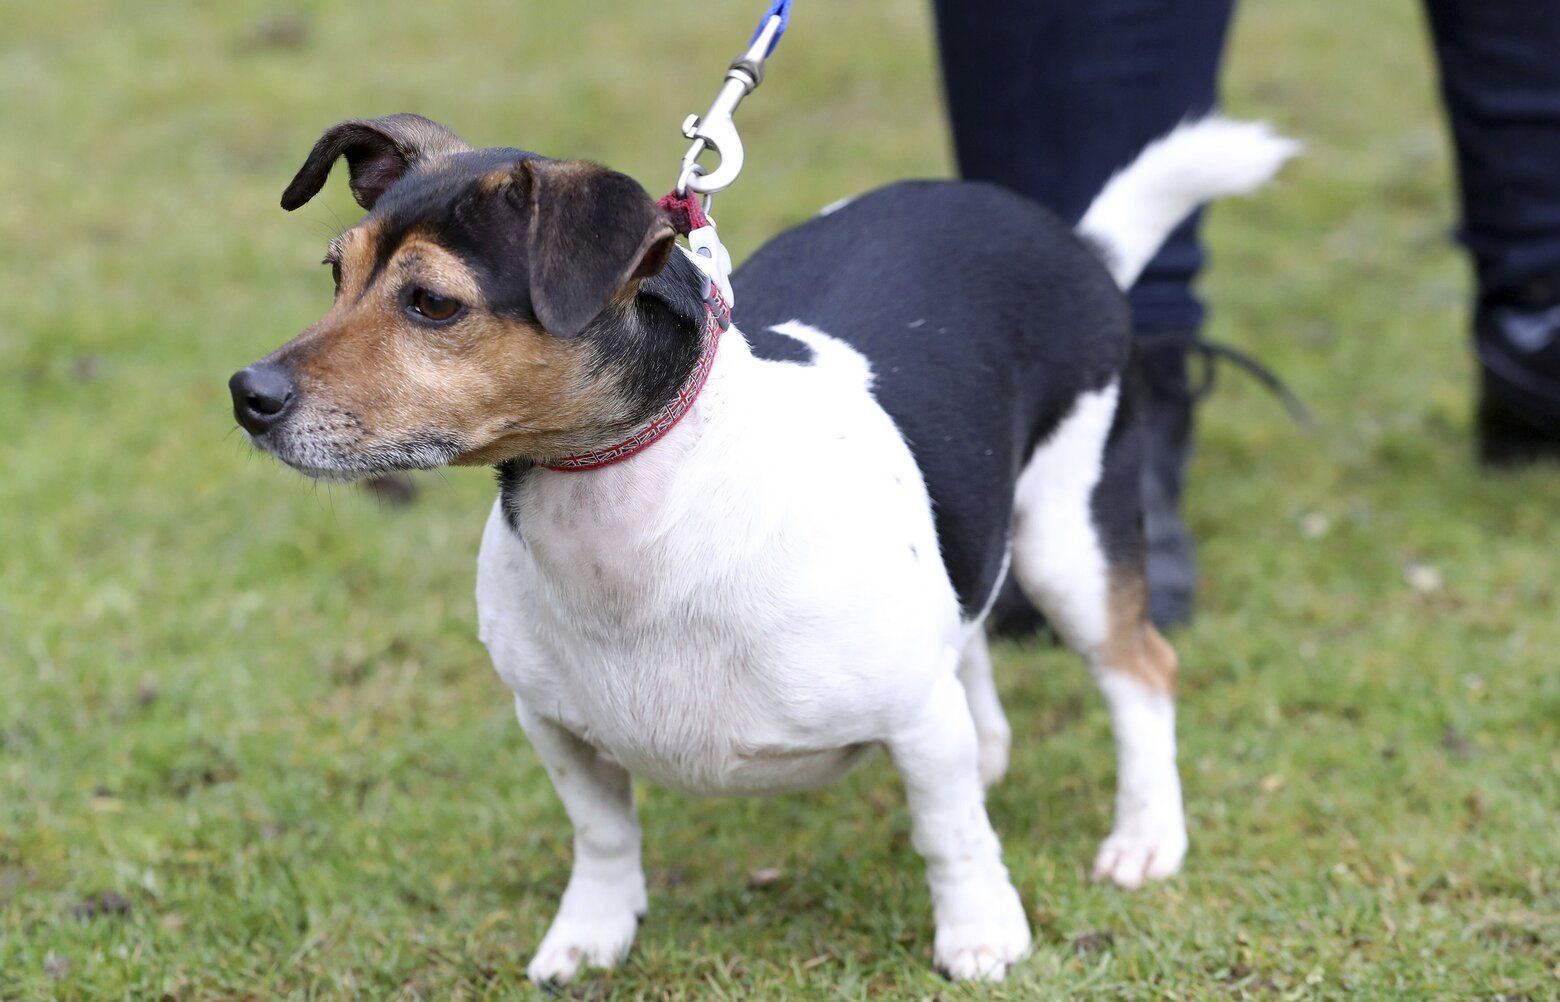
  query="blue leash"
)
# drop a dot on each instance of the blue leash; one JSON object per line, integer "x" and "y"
{"x": 780, "y": 9}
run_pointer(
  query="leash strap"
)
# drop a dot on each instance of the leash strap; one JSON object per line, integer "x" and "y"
{"x": 1212, "y": 351}
{"x": 689, "y": 218}
{"x": 684, "y": 210}
{"x": 780, "y": 9}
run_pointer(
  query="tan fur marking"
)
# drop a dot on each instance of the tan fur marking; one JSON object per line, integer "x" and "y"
{"x": 1134, "y": 645}
{"x": 355, "y": 249}
{"x": 495, "y": 387}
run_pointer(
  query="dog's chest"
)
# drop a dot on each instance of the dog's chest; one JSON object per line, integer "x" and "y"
{"x": 684, "y": 658}
{"x": 714, "y": 623}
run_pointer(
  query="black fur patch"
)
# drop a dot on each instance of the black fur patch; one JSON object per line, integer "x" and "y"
{"x": 653, "y": 347}
{"x": 511, "y": 476}
{"x": 449, "y": 205}
{"x": 773, "y": 347}
{"x": 983, "y": 316}
{"x": 591, "y": 231}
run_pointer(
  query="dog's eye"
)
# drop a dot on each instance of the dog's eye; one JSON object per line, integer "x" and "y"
{"x": 433, "y": 306}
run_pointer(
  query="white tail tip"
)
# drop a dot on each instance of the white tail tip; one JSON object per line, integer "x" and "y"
{"x": 1196, "y": 163}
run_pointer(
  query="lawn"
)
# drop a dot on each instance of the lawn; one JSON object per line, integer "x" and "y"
{"x": 250, "y": 745}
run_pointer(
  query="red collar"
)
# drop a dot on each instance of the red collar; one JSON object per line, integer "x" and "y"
{"x": 717, "y": 317}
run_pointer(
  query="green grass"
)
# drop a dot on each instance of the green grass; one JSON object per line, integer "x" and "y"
{"x": 256, "y": 710}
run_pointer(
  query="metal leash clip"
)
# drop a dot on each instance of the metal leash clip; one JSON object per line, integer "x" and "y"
{"x": 716, "y": 130}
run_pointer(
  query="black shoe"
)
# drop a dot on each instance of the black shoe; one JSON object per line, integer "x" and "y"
{"x": 1517, "y": 340}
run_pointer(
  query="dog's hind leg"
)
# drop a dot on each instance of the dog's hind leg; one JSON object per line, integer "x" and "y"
{"x": 992, "y": 733}
{"x": 605, "y": 898}
{"x": 1078, "y": 553}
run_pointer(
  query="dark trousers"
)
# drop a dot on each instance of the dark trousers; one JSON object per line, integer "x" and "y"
{"x": 1050, "y": 97}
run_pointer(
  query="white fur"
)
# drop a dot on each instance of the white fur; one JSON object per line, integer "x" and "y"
{"x": 1198, "y": 162}
{"x": 1148, "y": 840}
{"x": 836, "y": 205}
{"x": 745, "y": 608}
{"x": 1056, "y": 549}
{"x": 993, "y": 735}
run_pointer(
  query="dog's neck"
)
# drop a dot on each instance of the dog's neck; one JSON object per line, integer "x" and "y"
{"x": 661, "y": 343}
{"x": 652, "y": 341}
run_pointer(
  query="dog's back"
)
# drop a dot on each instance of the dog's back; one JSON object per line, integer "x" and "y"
{"x": 984, "y": 317}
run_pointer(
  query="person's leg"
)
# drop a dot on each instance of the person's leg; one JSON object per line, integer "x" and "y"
{"x": 1500, "y": 77}
{"x": 1050, "y": 99}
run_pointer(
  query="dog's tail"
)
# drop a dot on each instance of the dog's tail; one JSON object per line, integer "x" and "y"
{"x": 1196, "y": 163}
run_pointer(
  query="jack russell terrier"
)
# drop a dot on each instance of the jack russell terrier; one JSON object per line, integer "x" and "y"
{"x": 735, "y": 561}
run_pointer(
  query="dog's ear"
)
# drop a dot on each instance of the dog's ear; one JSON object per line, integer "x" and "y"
{"x": 379, "y": 152}
{"x": 592, "y": 231}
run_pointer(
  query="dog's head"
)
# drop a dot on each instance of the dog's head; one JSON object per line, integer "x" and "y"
{"x": 488, "y": 307}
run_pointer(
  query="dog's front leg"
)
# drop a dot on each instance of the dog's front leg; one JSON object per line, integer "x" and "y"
{"x": 981, "y": 926}
{"x": 601, "y": 907}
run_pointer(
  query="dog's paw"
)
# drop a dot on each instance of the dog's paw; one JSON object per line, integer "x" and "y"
{"x": 983, "y": 948}
{"x": 1137, "y": 853}
{"x": 572, "y": 943}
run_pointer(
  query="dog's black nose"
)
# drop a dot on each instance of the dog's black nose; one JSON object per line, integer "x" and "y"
{"x": 261, "y": 395}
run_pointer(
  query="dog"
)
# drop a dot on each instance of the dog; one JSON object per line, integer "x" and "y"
{"x": 735, "y": 558}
